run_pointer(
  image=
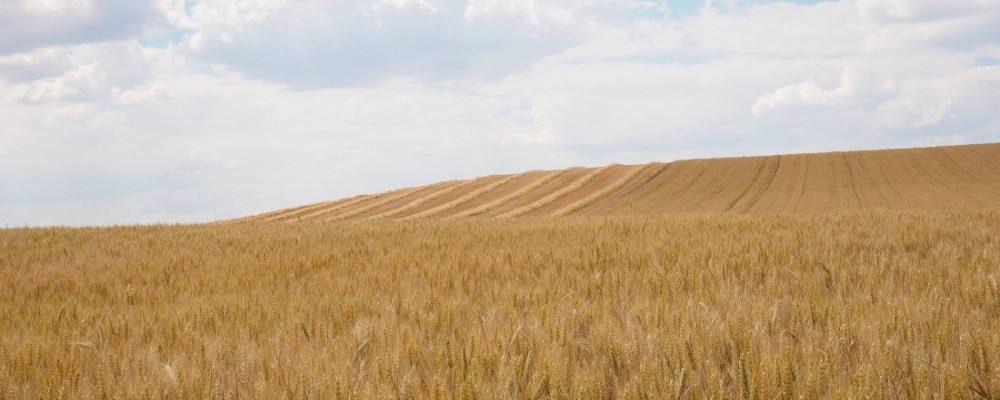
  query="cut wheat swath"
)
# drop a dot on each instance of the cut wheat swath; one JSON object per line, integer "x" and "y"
{"x": 319, "y": 211}
{"x": 451, "y": 187}
{"x": 298, "y": 212}
{"x": 465, "y": 198}
{"x": 512, "y": 196}
{"x": 555, "y": 195}
{"x": 607, "y": 190}
{"x": 381, "y": 202}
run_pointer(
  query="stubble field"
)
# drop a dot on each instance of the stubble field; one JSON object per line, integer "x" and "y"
{"x": 852, "y": 304}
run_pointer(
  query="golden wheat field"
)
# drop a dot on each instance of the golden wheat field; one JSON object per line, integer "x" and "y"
{"x": 464, "y": 290}
{"x": 849, "y": 305}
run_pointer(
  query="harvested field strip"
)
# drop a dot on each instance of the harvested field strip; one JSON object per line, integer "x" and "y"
{"x": 898, "y": 177}
{"x": 692, "y": 195}
{"x": 553, "y": 185}
{"x": 466, "y": 197}
{"x": 455, "y": 185}
{"x": 979, "y": 180}
{"x": 439, "y": 201}
{"x": 272, "y": 215}
{"x": 327, "y": 208}
{"x": 985, "y": 153}
{"x": 718, "y": 182}
{"x": 942, "y": 182}
{"x": 774, "y": 164}
{"x": 786, "y": 186}
{"x": 852, "y": 180}
{"x": 507, "y": 188}
{"x": 895, "y": 198}
{"x": 620, "y": 201}
{"x": 614, "y": 186}
{"x": 376, "y": 204}
{"x": 844, "y": 194}
{"x": 826, "y": 185}
{"x": 759, "y": 185}
{"x": 555, "y": 195}
{"x": 648, "y": 196}
{"x": 330, "y": 212}
{"x": 292, "y": 213}
{"x": 606, "y": 177}
{"x": 660, "y": 193}
{"x": 514, "y": 195}
{"x": 399, "y": 201}
{"x": 874, "y": 193}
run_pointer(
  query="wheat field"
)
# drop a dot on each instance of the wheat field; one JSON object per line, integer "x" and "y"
{"x": 835, "y": 275}
{"x": 864, "y": 304}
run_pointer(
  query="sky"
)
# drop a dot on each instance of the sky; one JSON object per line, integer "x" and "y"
{"x": 180, "y": 111}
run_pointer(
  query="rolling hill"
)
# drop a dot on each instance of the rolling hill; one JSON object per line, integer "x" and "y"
{"x": 966, "y": 176}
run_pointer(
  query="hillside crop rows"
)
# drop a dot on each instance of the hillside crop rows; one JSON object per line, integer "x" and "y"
{"x": 872, "y": 304}
{"x": 909, "y": 179}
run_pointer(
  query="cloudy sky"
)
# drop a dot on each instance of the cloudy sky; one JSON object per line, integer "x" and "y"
{"x": 117, "y": 112}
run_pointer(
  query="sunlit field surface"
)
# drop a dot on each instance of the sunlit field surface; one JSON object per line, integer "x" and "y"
{"x": 922, "y": 179}
{"x": 860, "y": 304}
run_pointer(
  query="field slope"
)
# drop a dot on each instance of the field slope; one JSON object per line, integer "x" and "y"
{"x": 966, "y": 177}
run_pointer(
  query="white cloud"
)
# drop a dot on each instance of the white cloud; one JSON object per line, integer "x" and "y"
{"x": 256, "y": 105}
{"x": 81, "y": 81}
{"x": 208, "y": 157}
{"x": 337, "y": 44}
{"x": 148, "y": 93}
{"x": 782, "y": 29}
{"x": 29, "y": 24}
{"x": 24, "y": 67}
{"x": 959, "y": 99}
{"x": 87, "y": 72}
{"x": 858, "y": 87}
{"x": 401, "y": 4}
{"x": 923, "y": 10}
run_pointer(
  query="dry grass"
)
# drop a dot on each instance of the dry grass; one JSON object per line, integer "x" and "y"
{"x": 850, "y": 305}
